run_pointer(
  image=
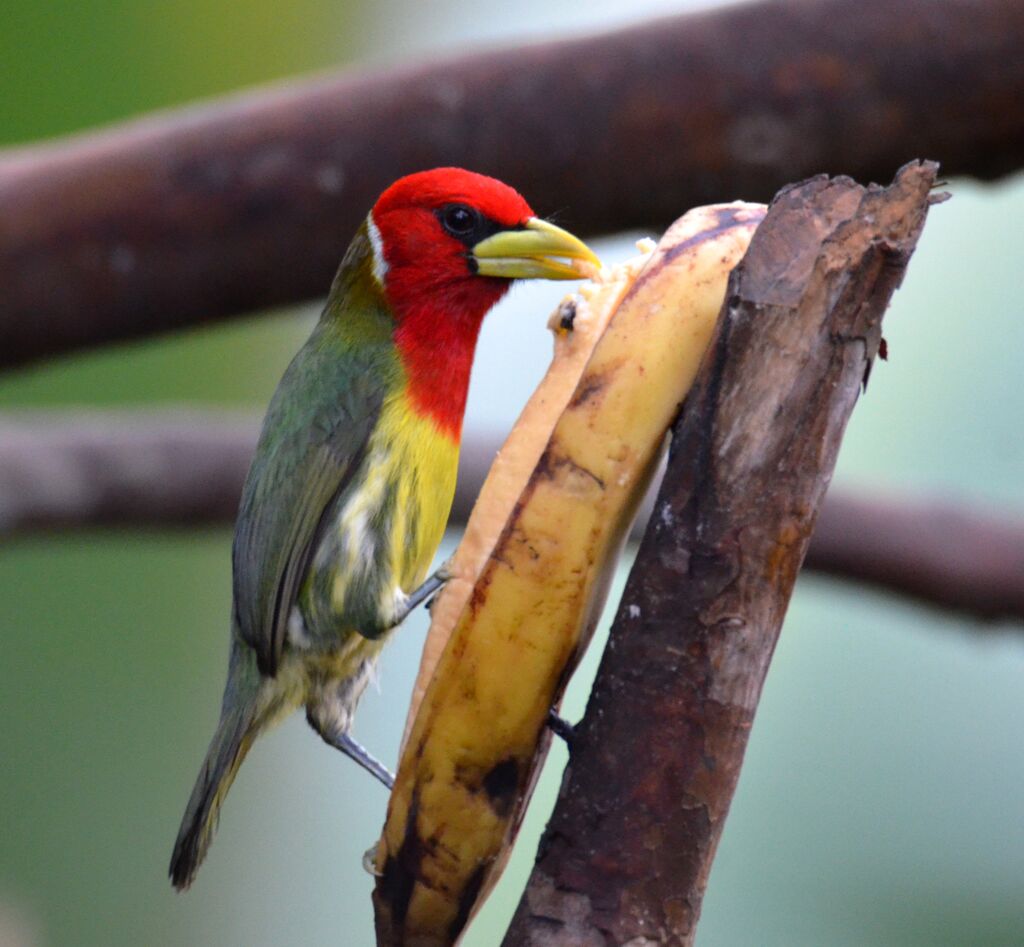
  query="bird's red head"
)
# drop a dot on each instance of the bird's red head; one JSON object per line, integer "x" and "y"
{"x": 428, "y": 224}
{"x": 447, "y": 244}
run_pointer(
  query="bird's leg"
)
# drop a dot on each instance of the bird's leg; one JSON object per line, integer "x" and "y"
{"x": 561, "y": 727}
{"x": 371, "y": 764}
{"x": 353, "y": 750}
{"x": 430, "y": 587}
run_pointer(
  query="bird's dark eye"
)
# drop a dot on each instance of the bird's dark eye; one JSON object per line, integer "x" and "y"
{"x": 459, "y": 220}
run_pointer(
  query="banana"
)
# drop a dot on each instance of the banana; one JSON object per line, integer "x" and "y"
{"x": 576, "y": 324}
{"x": 531, "y": 574}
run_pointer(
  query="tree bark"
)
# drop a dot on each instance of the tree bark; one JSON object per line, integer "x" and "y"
{"x": 248, "y": 203}
{"x": 654, "y": 763}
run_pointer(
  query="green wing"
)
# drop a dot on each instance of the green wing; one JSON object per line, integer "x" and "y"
{"x": 314, "y": 438}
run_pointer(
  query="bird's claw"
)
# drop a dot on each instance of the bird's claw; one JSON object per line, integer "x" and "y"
{"x": 561, "y": 727}
{"x": 370, "y": 860}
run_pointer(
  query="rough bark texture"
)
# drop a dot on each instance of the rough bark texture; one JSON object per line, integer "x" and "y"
{"x": 248, "y": 203}
{"x": 626, "y": 856}
{"x": 102, "y": 470}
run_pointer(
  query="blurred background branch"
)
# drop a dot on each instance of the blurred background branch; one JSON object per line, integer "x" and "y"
{"x": 247, "y": 203}
{"x": 176, "y": 469}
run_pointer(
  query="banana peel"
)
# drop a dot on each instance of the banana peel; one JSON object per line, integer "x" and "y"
{"x": 532, "y": 572}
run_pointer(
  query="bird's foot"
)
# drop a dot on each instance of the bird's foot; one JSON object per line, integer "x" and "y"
{"x": 561, "y": 727}
{"x": 426, "y": 591}
{"x": 370, "y": 860}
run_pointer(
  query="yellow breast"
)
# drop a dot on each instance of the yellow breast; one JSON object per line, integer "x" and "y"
{"x": 423, "y": 465}
{"x": 388, "y": 532}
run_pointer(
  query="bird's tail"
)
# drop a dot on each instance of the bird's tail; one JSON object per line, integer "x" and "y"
{"x": 237, "y": 729}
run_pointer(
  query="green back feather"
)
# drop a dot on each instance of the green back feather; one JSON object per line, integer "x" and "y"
{"x": 314, "y": 438}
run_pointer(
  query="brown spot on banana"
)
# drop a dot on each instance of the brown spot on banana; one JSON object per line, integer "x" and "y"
{"x": 590, "y": 387}
{"x": 501, "y": 785}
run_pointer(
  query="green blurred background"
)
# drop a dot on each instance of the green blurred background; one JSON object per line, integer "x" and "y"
{"x": 880, "y": 802}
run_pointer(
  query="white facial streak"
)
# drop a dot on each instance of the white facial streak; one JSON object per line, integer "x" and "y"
{"x": 380, "y": 265}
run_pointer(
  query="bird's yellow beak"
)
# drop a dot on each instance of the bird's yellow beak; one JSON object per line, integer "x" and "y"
{"x": 539, "y": 251}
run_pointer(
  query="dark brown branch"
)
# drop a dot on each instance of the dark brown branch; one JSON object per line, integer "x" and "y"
{"x": 176, "y": 470}
{"x": 627, "y": 852}
{"x": 248, "y": 203}
{"x": 934, "y": 552}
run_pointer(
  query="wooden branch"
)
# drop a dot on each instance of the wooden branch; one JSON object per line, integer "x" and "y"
{"x": 933, "y": 552}
{"x": 249, "y": 202}
{"x": 173, "y": 470}
{"x": 654, "y": 763}
{"x": 120, "y": 469}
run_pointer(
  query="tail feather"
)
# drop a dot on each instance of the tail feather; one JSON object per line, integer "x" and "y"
{"x": 231, "y": 742}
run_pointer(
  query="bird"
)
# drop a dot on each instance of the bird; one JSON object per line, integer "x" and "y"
{"x": 352, "y": 479}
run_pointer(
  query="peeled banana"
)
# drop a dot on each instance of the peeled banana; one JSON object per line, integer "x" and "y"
{"x": 531, "y": 574}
